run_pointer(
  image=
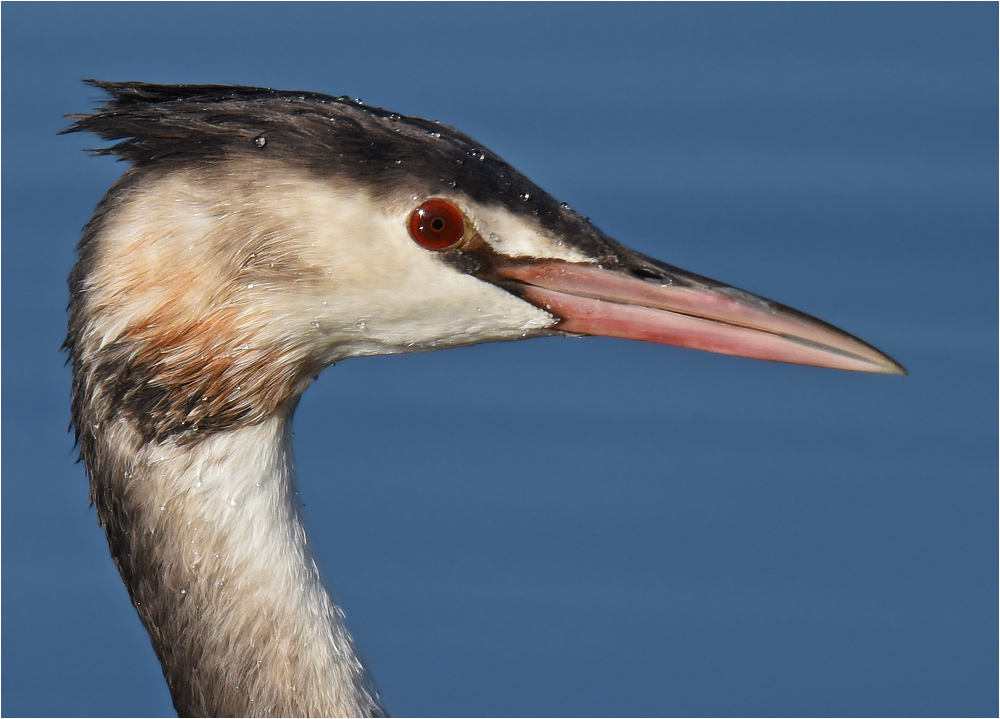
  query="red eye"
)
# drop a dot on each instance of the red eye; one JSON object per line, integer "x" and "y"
{"x": 437, "y": 224}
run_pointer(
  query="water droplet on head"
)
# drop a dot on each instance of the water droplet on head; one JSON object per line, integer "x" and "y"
{"x": 525, "y": 196}
{"x": 260, "y": 141}
{"x": 360, "y": 324}
{"x": 250, "y": 286}
{"x": 434, "y": 134}
{"x": 314, "y": 325}
{"x": 162, "y": 507}
{"x": 184, "y": 591}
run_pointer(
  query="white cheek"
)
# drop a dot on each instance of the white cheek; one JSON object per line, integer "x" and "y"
{"x": 360, "y": 284}
{"x": 386, "y": 294}
{"x": 444, "y": 308}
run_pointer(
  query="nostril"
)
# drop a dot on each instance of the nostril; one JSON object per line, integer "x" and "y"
{"x": 646, "y": 274}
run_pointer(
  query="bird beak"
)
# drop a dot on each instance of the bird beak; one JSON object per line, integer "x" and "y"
{"x": 643, "y": 299}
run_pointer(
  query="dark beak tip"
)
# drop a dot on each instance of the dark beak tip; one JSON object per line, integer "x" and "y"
{"x": 898, "y": 369}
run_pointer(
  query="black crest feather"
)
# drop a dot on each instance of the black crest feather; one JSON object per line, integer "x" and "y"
{"x": 152, "y": 122}
{"x": 367, "y": 146}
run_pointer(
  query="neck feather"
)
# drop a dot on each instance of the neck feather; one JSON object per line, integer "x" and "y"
{"x": 208, "y": 538}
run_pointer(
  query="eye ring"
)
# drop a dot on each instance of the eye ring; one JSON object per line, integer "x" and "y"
{"x": 436, "y": 224}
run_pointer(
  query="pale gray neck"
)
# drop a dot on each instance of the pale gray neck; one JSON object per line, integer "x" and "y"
{"x": 212, "y": 548}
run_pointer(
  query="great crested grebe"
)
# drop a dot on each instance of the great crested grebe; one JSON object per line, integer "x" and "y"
{"x": 257, "y": 237}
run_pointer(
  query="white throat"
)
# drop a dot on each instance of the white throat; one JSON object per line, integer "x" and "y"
{"x": 240, "y": 595}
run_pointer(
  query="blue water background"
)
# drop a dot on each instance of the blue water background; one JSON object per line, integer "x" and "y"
{"x": 584, "y": 527}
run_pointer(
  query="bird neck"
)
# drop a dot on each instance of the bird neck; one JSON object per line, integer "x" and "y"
{"x": 209, "y": 540}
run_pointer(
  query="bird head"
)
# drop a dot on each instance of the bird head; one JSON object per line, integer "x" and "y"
{"x": 259, "y": 236}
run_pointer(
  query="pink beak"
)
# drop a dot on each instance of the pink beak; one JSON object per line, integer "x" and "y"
{"x": 674, "y": 307}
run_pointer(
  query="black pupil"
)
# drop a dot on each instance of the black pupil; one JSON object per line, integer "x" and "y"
{"x": 437, "y": 224}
